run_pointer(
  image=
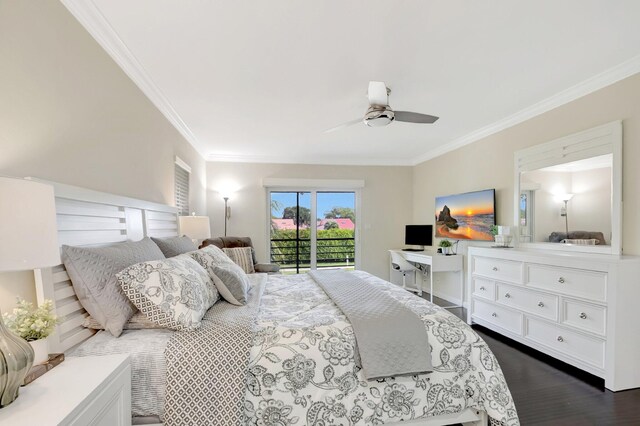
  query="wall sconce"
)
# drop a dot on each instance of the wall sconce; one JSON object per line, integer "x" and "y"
{"x": 563, "y": 211}
{"x": 227, "y": 213}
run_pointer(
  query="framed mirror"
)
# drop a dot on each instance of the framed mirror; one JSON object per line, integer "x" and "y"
{"x": 568, "y": 192}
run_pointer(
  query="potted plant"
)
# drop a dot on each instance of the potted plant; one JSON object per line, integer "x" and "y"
{"x": 34, "y": 325}
{"x": 445, "y": 245}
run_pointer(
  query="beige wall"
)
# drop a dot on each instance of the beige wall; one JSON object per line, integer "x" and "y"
{"x": 489, "y": 163}
{"x": 68, "y": 113}
{"x": 386, "y": 204}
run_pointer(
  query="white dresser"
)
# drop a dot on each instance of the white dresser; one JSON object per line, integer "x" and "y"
{"x": 577, "y": 307}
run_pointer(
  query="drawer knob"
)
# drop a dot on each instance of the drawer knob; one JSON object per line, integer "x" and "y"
{"x": 507, "y": 295}
{"x": 583, "y": 315}
{"x": 541, "y": 304}
{"x": 495, "y": 268}
{"x": 561, "y": 280}
{"x": 482, "y": 288}
{"x": 560, "y": 339}
{"x": 494, "y": 315}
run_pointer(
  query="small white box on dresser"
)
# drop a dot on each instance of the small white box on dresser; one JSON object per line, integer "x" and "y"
{"x": 577, "y": 307}
{"x": 94, "y": 390}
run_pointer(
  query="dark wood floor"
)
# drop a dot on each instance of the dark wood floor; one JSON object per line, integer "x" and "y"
{"x": 549, "y": 392}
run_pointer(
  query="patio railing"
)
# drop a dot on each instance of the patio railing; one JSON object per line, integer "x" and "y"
{"x": 294, "y": 254}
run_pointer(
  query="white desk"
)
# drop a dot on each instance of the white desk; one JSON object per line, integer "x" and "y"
{"x": 435, "y": 263}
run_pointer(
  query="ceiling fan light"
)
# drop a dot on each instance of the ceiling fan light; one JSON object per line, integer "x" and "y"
{"x": 378, "y": 117}
{"x": 378, "y": 122}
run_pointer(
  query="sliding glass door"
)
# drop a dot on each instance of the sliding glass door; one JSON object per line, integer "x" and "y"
{"x": 312, "y": 230}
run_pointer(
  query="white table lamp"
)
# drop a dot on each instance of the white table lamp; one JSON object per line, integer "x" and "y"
{"x": 195, "y": 227}
{"x": 28, "y": 240}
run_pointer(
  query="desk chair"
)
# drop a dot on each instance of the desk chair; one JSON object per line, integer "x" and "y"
{"x": 401, "y": 265}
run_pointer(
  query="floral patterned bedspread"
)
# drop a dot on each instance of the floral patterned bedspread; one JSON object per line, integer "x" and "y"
{"x": 302, "y": 369}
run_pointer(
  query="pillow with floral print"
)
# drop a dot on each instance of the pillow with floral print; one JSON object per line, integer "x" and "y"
{"x": 230, "y": 280}
{"x": 174, "y": 293}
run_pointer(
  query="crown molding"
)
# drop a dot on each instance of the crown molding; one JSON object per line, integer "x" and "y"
{"x": 90, "y": 17}
{"x": 590, "y": 85}
{"x": 327, "y": 161}
{"x": 88, "y": 14}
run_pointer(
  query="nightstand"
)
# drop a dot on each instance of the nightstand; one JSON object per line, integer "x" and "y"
{"x": 93, "y": 390}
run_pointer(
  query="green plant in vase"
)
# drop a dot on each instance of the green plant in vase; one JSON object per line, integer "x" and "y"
{"x": 34, "y": 325}
{"x": 445, "y": 246}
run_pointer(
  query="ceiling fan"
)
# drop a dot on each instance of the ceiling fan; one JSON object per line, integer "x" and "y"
{"x": 380, "y": 113}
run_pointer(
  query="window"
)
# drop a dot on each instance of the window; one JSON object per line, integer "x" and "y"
{"x": 182, "y": 172}
{"x": 313, "y": 229}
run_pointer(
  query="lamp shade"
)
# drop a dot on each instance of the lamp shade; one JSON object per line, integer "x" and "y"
{"x": 28, "y": 229}
{"x": 195, "y": 227}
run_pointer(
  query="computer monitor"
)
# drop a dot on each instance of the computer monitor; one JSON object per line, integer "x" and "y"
{"x": 418, "y": 235}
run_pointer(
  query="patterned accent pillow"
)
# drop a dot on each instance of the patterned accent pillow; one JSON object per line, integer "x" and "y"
{"x": 175, "y": 246}
{"x": 230, "y": 280}
{"x": 173, "y": 293}
{"x": 242, "y": 257}
{"x": 93, "y": 275}
{"x": 215, "y": 254}
{"x": 137, "y": 322}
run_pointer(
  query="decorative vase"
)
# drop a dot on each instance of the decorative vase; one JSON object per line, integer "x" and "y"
{"x": 446, "y": 250}
{"x": 41, "y": 350}
{"x": 503, "y": 240}
{"x": 16, "y": 359}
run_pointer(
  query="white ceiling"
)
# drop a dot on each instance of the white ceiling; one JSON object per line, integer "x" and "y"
{"x": 261, "y": 80}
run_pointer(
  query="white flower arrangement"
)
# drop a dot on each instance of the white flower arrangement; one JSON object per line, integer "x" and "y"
{"x": 29, "y": 323}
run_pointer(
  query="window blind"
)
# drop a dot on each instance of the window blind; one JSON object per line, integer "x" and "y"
{"x": 182, "y": 190}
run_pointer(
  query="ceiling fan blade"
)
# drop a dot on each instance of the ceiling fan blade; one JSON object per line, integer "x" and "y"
{"x": 414, "y": 117}
{"x": 378, "y": 93}
{"x": 343, "y": 125}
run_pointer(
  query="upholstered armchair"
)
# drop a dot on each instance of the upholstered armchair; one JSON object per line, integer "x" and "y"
{"x": 231, "y": 242}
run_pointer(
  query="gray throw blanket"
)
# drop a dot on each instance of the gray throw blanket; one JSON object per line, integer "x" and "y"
{"x": 207, "y": 367}
{"x": 391, "y": 339}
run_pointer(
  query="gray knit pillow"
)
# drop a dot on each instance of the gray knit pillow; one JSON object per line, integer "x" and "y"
{"x": 137, "y": 322}
{"x": 93, "y": 275}
{"x": 174, "y": 246}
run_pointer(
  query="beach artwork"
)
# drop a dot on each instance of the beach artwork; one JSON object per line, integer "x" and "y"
{"x": 467, "y": 216}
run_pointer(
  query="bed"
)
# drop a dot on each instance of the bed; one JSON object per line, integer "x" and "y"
{"x": 301, "y": 366}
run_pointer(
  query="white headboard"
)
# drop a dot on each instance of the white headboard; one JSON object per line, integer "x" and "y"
{"x": 90, "y": 218}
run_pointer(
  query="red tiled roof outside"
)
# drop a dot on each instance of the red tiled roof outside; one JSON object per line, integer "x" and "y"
{"x": 290, "y": 224}
{"x": 283, "y": 223}
{"x": 345, "y": 223}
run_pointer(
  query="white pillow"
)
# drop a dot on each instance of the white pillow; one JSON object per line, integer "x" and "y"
{"x": 242, "y": 257}
{"x": 174, "y": 293}
{"x": 230, "y": 280}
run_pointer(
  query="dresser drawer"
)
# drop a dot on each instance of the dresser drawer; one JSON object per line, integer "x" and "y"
{"x": 504, "y": 270}
{"x": 505, "y": 318}
{"x": 580, "y": 283}
{"x": 545, "y": 305}
{"x": 484, "y": 288}
{"x": 584, "y": 348}
{"x": 584, "y": 316}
